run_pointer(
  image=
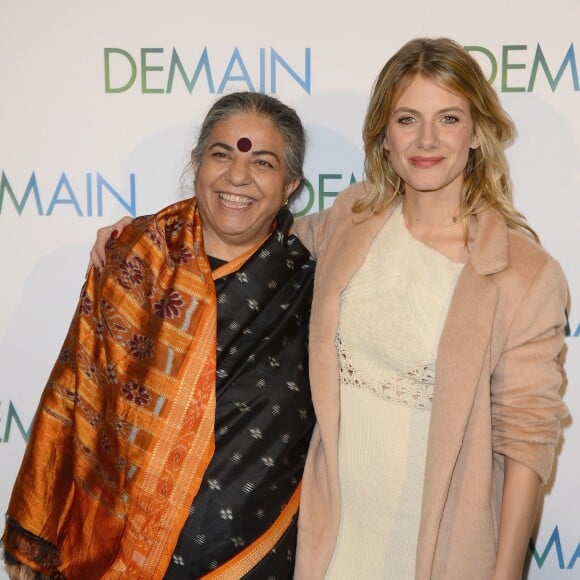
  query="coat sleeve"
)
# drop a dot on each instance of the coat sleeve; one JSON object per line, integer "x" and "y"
{"x": 309, "y": 230}
{"x": 527, "y": 408}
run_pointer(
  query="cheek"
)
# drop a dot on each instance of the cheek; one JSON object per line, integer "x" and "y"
{"x": 398, "y": 144}
{"x": 273, "y": 187}
{"x": 397, "y": 159}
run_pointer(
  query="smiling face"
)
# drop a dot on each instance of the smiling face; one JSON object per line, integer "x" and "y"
{"x": 239, "y": 192}
{"x": 428, "y": 137}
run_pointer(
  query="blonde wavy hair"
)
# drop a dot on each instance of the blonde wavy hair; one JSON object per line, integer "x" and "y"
{"x": 486, "y": 175}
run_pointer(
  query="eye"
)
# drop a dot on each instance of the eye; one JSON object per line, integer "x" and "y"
{"x": 450, "y": 119}
{"x": 219, "y": 155}
{"x": 264, "y": 163}
{"x": 405, "y": 120}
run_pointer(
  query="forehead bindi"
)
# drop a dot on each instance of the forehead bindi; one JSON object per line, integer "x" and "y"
{"x": 244, "y": 144}
{"x": 248, "y": 134}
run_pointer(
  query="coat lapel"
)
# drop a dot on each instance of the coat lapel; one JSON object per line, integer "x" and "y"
{"x": 349, "y": 248}
{"x": 461, "y": 357}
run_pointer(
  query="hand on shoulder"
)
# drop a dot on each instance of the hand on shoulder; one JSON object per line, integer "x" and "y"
{"x": 97, "y": 255}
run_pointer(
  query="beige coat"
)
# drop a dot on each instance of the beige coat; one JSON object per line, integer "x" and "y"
{"x": 496, "y": 394}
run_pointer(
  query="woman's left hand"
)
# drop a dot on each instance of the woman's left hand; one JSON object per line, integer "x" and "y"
{"x": 98, "y": 256}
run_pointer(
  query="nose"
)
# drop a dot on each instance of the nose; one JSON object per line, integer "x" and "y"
{"x": 238, "y": 171}
{"x": 428, "y": 135}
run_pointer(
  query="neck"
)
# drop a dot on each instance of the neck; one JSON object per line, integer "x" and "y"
{"x": 228, "y": 250}
{"x": 423, "y": 211}
{"x": 434, "y": 221}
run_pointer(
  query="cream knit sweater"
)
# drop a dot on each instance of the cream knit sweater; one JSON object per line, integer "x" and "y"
{"x": 391, "y": 318}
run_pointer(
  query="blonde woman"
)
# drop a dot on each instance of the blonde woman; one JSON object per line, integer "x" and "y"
{"x": 436, "y": 327}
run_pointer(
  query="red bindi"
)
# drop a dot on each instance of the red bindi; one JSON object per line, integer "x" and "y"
{"x": 244, "y": 144}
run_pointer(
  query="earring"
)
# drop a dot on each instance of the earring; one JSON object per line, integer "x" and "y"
{"x": 285, "y": 203}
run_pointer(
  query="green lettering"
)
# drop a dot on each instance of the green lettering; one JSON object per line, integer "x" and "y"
{"x": 13, "y": 416}
{"x": 311, "y": 196}
{"x": 133, "y": 67}
{"x": 489, "y": 55}
{"x": 507, "y": 66}
{"x": 148, "y": 68}
{"x": 190, "y": 83}
{"x": 32, "y": 187}
{"x": 322, "y": 193}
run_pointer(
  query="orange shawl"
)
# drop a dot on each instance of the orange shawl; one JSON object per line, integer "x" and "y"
{"x": 124, "y": 429}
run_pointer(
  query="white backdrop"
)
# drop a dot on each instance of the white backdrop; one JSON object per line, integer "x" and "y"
{"x": 99, "y": 105}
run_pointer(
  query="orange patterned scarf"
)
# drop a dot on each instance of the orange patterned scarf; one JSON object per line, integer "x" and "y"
{"x": 124, "y": 430}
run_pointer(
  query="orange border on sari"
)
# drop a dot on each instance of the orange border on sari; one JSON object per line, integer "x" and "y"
{"x": 253, "y": 554}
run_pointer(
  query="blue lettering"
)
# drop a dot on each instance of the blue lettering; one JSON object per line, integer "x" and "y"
{"x": 553, "y": 540}
{"x": 569, "y": 59}
{"x": 89, "y": 184}
{"x": 102, "y": 185}
{"x": 574, "y": 557}
{"x": 97, "y": 187}
{"x": 569, "y": 332}
{"x": 276, "y": 58}
{"x": 245, "y": 76}
{"x": 63, "y": 183}
{"x": 262, "y": 70}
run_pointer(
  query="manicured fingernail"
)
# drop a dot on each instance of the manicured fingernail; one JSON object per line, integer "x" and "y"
{"x": 114, "y": 234}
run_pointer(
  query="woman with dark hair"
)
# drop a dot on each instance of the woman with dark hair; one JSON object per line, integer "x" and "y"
{"x": 171, "y": 436}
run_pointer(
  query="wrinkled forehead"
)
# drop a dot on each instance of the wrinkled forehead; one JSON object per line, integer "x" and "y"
{"x": 248, "y": 131}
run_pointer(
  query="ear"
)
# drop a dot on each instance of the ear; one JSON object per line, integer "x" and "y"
{"x": 291, "y": 187}
{"x": 474, "y": 141}
{"x": 194, "y": 163}
{"x": 386, "y": 139}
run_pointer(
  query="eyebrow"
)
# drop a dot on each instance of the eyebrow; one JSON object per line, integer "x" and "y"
{"x": 255, "y": 153}
{"x": 445, "y": 110}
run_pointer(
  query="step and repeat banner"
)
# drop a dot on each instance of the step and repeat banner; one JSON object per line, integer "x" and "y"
{"x": 100, "y": 103}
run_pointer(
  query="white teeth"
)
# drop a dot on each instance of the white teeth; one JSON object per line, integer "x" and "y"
{"x": 235, "y": 201}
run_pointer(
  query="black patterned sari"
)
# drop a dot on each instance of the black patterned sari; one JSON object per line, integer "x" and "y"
{"x": 264, "y": 415}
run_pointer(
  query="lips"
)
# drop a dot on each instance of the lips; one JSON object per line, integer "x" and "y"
{"x": 425, "y": 162}
{"x": 232, "y": 201}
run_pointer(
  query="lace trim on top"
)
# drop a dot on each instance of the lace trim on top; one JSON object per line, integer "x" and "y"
{"x": 413, "y": 388}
